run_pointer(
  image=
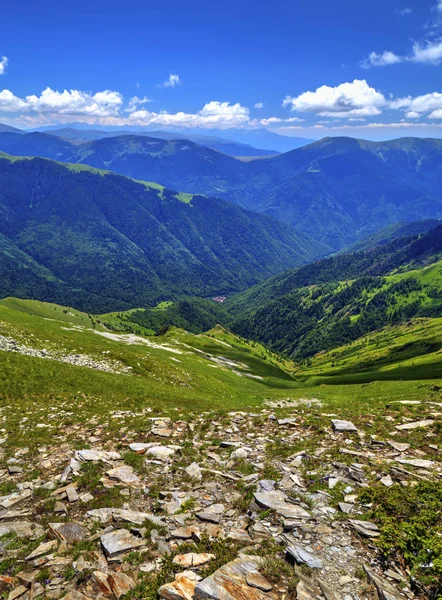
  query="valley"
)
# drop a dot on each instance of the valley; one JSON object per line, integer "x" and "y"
{"x": 156, "y": 443}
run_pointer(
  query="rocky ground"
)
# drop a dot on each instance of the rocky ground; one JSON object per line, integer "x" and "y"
{"x": 240, "y": 506}
{"x": 8, "y": 344}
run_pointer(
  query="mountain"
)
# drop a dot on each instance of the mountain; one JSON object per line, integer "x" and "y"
{"x": 8, "y": 129}
{"x": 108, "y": 242}
{"x": 393, "y": 232}
{"x": 337, "y": 190}
{"x": 216, "y": 143}
{"x": 337, "y": 300}
{"x": 258, "y": 137}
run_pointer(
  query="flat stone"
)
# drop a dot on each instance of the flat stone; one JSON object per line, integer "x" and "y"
{"x": 212, "y": 514}
{"x": 22, "y": 529}
{"x": 416, "y": 462}
{"x": 184, "y": 533}
{"x": 229, "y": 582}
{"x": 365, "y": 528}
{"x": 42, "y": 549}
{"x": 415, "y": 425}
{"x": 345, "y": 507}
{"x": 15, "y": 498}
{"x": 120, "y": 583}
{"x": 71, "y": 494}
{"x": 105, "y": 515}
{"x": 302, "y": 557}
{"x": 96, "y": 456}
{"x": 140, "y": 447}
{"x": 102, "y": 582}
{"x": 275, "y": 500}
{"x": 400, "y": 447}
{"x": 119, "y": 541}
{"x": 17, "y": 592}
{"x": 192, "y": 559}
{"x": 287, "y": 421}
{"x": 256, "y": 580}
{"x": 384, "y": 589}
{"x": 70, "y": 533}
{"x": 194, "y": 471}
{"x": 126, "y": 475}
{"x": 342, "y": 426}
{"x": 164, "y": 432}
{"x": 239, "y": 454}
{"x": 163, "y": 453}
{"x": 181, "y": 589}
{"x": 387, "y": 481}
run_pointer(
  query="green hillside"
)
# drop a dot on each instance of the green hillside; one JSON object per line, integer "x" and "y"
{"x": 323, "y": 316}
{"x": 409, "y": 351}
{"x": 68, "y": 361}
{"x": 86, "y": 237}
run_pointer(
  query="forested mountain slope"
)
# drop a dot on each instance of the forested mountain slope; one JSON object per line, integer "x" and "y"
{"x": 337, "y": 300}
{"x": 107, "y": 242}
{"x": 338, "y": 190}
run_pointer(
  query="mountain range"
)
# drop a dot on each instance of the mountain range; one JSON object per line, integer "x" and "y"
{"x": 108, "y": 242}
{"x": 258, "y": 137}
{"x": 337, "y": 190}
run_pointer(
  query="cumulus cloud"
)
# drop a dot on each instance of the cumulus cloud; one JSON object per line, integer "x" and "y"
{"x": 213, "y": 114}
{"x": 430, "y": 53}
{"x": 259, "y": 105}
{"x": 381, "y": 60}
{"x": 3, "y": 64}
{"x": 427, "y": 104}
{"x": 349, "y": 99}
{"x": 72, "y": 102}
{"x": 173, "y": 81}
{"x": 405, "y": 11}
{"x": 109, "y": 108}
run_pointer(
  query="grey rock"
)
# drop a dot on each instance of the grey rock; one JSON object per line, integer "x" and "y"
{"x": 230, "y": 583}
{"x": 415, "y": 425}
{"x": 126, "y": 475}
{"x": 303, "y": 557}
{"x": 119, "y": 541}
{"x": 342, "y": 426}
{"x": 276, "y": 500}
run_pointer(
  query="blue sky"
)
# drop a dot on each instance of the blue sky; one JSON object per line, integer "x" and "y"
{"x": 298, "y": 67}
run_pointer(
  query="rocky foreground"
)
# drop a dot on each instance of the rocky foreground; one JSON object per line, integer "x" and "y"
{"x": 242, "y": 506}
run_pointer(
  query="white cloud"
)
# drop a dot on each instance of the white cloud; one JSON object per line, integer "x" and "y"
{"x": 213, "y": 114}
{"x": 135, "y": 102}
{"x": 259, "y": 105}
{"x": 356, "y": 119}
{"x": 3, "y": 64}
{"x": 420, "y": 105}
{"x": 173, "y": 81}
{"x": 270, "y": 121}
{"x": 75, "y": 102}
{"x": 294, "y": 120}
{"x": 10, "y": 103}
{"x": 355, "y": 98}
{"x": 412, "y": 115}
{"x": 381, "y": 60}
{"x": 430, "y": 53}
{"x": 405, "y": 11}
